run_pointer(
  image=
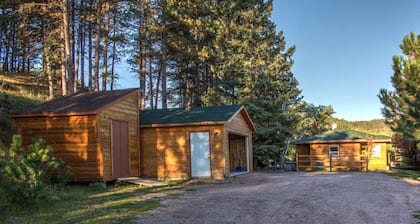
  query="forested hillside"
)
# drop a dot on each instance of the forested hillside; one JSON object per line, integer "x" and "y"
{"x": 375, "y": 127}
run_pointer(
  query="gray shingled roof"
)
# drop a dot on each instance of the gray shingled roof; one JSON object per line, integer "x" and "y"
{"x": 76, "y": 103}
{"x": 341, "y": 134}
{"x": 180, "y": 115}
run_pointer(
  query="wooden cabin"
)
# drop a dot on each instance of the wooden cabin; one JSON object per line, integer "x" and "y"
{"x": 95, "y": 133}
{"x": 202, "y": 142}
{"x": 342, "y": 150}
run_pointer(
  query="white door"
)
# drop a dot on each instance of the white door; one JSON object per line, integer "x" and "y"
{"x": 200, "y": 154}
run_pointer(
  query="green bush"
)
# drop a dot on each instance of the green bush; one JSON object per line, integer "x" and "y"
{"x": 26, "y": 175}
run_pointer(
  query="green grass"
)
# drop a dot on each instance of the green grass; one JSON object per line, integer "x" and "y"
{"x": 409, "y": 174}
{"x": 84, "y": 204}
{"x": 416, "y": 215}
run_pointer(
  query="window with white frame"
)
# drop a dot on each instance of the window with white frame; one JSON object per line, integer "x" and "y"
{"x": 334, "y": 151}
{"x": 376, "y": 151}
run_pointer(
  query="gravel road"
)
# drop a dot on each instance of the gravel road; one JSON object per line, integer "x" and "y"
{"x": 293, "y": 197}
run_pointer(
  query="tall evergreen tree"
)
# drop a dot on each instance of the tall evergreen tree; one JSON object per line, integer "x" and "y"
{"x": 261, "y": 76}
{"x": 402, "y": 105}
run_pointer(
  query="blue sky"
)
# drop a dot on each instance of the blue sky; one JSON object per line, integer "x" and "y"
{"x": 345, "y": 48}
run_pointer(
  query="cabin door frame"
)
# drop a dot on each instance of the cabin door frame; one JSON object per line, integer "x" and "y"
{"x": 200, "y": 154}
{"x": 234, "y": 154}
{"x": 119, "y": 148}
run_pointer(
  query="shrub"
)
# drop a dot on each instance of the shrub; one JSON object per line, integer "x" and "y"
{"x": 27, "y": 174}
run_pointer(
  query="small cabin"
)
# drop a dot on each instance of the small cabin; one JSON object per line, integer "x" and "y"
{"x": 342, "y": 150}
{"x": 95, "y": 133}
{"x": 211, "y": 141}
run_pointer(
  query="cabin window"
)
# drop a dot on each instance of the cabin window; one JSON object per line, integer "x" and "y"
{"x": 376, "y": 151}
{"x": 334, "y": 151}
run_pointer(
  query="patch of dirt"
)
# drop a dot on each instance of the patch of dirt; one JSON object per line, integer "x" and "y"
{"x": 293, "y": 197}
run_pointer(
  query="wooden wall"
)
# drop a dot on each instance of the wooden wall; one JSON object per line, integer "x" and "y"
{"x": 237, "y": 153}
{"x": 239, "y": 126}
{"x": 125, "y": 111}
{"x": 165, "y": 151}
{"x": 148, "y": 152}
{"x": 303, "y": 150}
{"x": 311, "y": 155}
{"x": 84, "y": 142}
{"x": 73, "y": 139}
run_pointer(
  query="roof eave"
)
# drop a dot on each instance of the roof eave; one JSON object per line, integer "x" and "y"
{"x": 207, "y": 123}
{"x": 52, "y": 114}
{"x": 342, "y": 141}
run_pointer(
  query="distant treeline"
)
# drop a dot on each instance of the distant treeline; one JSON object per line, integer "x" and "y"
{"x": 374, "y": 127}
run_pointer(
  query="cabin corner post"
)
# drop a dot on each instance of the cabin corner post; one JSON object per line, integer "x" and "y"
{"x": 367, "y": 161}
{"x": 297, "y": 162}
{"x": 330, "y": 163}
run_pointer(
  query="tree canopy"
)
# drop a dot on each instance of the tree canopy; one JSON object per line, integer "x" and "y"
{"x": 185, "y": 53}
{"x": 402, "y": 104}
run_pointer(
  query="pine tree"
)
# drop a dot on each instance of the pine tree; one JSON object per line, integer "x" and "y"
{"x": 260, "y": 76}
{"x": 402, "y": 105}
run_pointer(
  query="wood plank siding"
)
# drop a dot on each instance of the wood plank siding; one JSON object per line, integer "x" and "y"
{"x": 166, "y": 151}
{"x": 165, "y": 148}
{"x": 83, "y": 139}
{"x": 122, "y": 111}
{"x": 73, "y": 139}
{"x": 239, "y": 126}
{"x": 351, "y": 157}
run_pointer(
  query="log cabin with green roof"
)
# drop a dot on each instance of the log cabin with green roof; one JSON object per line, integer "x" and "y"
{"x": 211, "y": 141}
{"x": 342, "y": 150}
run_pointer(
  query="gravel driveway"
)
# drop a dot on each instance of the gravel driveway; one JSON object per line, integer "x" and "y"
{"x": 293, "y": 197}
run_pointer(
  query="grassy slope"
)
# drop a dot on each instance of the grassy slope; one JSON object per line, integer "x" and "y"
{"x": 85, "y": 204}
{"x": 29, "y": 86}
{"x": 17, "y": 92}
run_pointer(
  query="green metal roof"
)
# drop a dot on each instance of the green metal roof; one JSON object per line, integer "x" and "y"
{"x": 194, "y": 115}
{"x": 341, "y": 134}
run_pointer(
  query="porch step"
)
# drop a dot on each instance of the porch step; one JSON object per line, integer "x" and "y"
{"x": 141, "y": 182}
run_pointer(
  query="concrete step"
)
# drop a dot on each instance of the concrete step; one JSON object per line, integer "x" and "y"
{"x": 141, "y": 181}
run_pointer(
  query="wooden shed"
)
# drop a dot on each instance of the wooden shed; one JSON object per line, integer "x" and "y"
{"x": 202, "y": 142}
{"x": 342, "y": 150}
{"x": 95, "y": 133}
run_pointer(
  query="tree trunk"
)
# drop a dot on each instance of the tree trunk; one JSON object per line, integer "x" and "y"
{"x": 114, "y": 52}
{"x": 97, "y": 44}
{"x": 105, "y": 47}
{"x": 68, "y": 63}
{"x": 82, "y": 59}
{"x": 142, "y": 49}
{"x": 78, "y": 49}
{"x": 157, "y": 89}
{"x": 46, "y": 65}
{"x": 73, "y": 45}
{"x": 163, "y": 66}
{"x": 151, "y": 84}
{"x": 90, "y": 52}
{"x": 63, "y": 74}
